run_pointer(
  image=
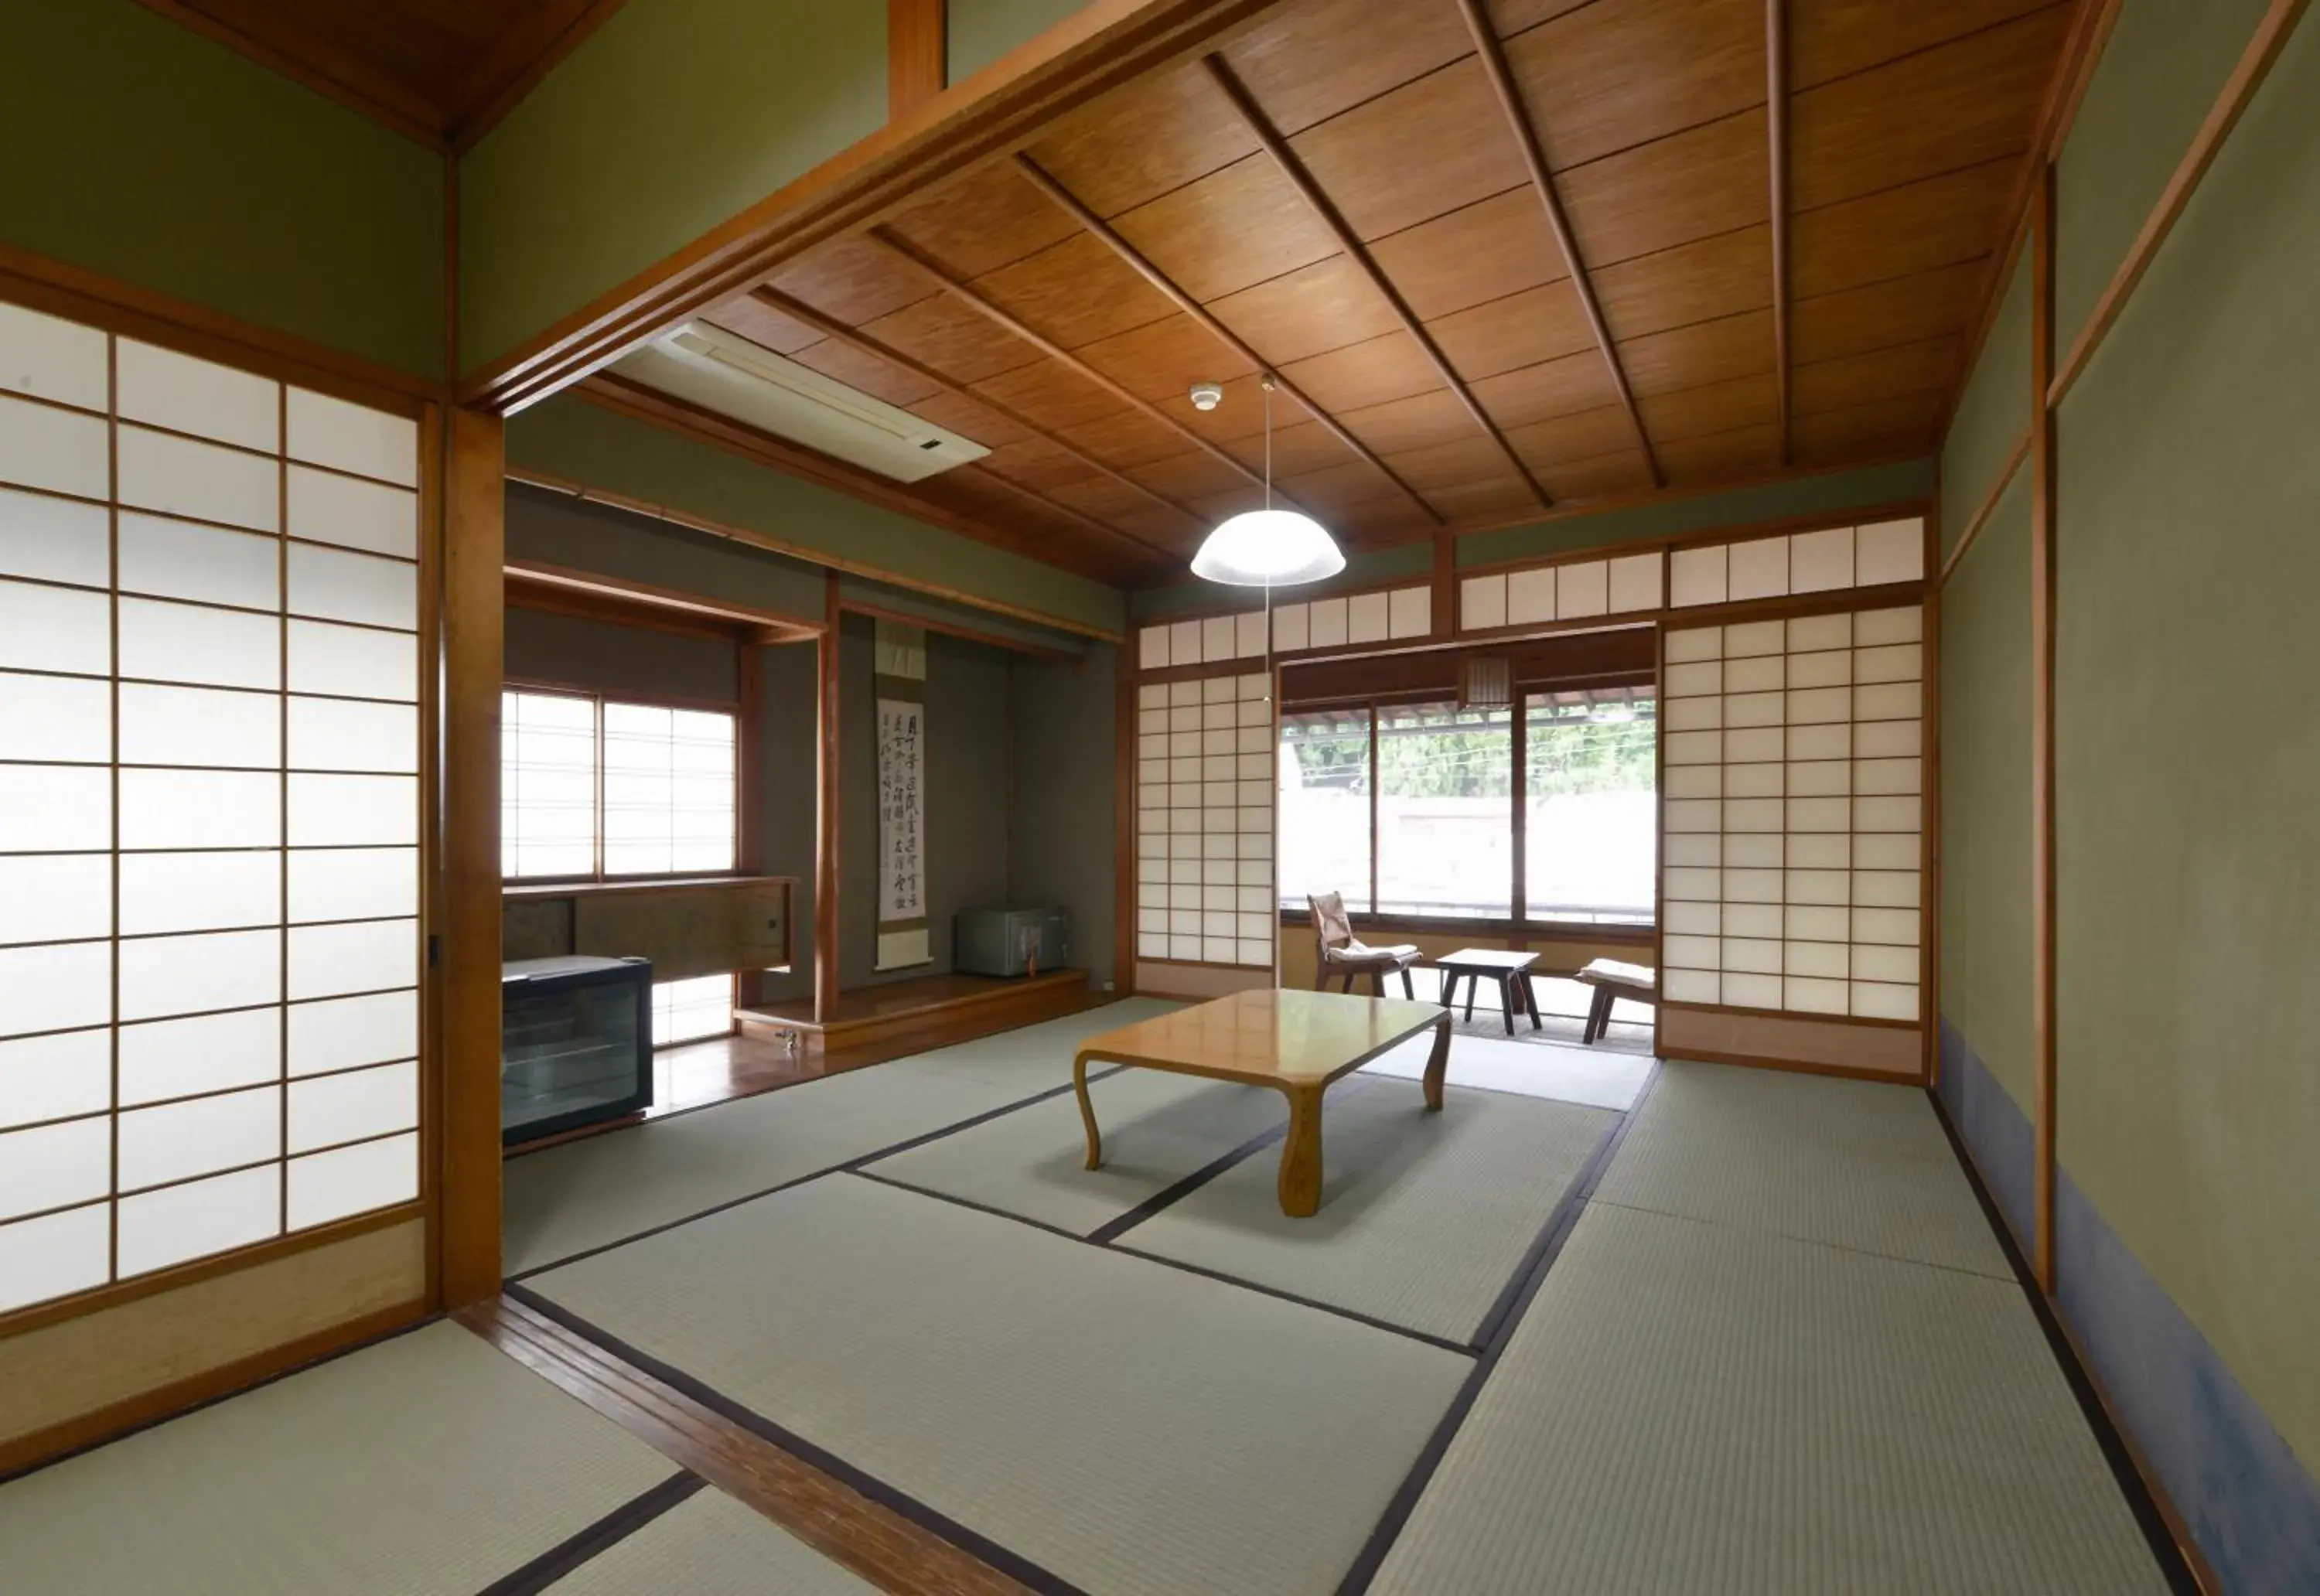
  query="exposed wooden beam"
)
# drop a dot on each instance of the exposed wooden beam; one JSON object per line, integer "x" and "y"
{"x": 1322, "y": 206}
{"x": 1493, "y": 56}
{"x": 941, "y": 277}
{"x": 2042, "y": 722}
{"x": 1070, "y": 204}
{"x": 1776, "y": 120}
{"x": 917, "y": 54}
{"x": 1079, "y": 517}
{"x": 989, "y": 639}
{"x": 798, "y": 311}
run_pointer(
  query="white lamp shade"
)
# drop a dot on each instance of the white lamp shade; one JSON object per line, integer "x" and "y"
{"x": 1268, "y": 549}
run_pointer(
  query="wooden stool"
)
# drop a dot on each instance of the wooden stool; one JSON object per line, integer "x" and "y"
{"x": 1612, "y": 981}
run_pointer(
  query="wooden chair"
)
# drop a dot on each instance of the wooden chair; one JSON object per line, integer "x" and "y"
{"x": 1336, "y": 950}
{"x": 1613, "y": 981}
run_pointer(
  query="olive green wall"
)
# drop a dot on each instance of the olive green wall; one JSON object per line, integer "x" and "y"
{"x": 2187, "y": 760}
{"x": 670, "y": 119}
{"x": 578, "y": 651}
{"x": 1061, "y": 767}
{"x": 1985, "y": 808}
{"x": 137, "y": 148}
{"x": 577, "y": 442}
{"x": 1992, "y": 412}
{"x": 981, "y": 30}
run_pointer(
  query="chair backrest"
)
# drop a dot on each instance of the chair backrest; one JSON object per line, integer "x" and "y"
{"x": 1331, "y": 928}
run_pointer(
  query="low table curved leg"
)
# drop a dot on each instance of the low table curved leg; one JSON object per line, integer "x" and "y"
{"x": 1437, "y": 1064}
{"x": 1087, "y": 1111}
{"x": 1300, "y": 1155}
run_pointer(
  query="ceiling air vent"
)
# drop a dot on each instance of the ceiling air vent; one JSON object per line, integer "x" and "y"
{"x": 718, "y": 371}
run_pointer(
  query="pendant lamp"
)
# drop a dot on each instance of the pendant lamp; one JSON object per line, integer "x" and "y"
{"x": 1268, "y": 548}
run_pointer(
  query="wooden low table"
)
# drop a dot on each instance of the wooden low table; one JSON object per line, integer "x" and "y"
{"x": 1511, "y": 971}
{"x": 1295, "y": 1042}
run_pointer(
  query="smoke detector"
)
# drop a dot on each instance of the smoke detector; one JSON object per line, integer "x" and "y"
{"x": 1208, "y": 396}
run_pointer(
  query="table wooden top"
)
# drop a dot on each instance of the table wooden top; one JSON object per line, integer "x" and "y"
{"x": 1485, "y": 958}
{"x": 1281, "y": 1038}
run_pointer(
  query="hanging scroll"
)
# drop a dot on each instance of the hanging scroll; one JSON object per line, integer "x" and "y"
{"x": 901, "y": 671}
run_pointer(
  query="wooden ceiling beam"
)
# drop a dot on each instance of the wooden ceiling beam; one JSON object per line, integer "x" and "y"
{"x": 1493, "y": 56}
{"x": 798, "y": 311}
{"x": 1069, "y": 204}
{"x": 1293, "y": 169}
{"x": 1776, "y": 101}
{"x": 941, "y": 277}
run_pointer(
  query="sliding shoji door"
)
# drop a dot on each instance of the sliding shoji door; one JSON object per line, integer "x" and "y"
{"x": 210, "y": 752}
{"x": 1204, "y": 825}
{"x": 1791, "y": 809}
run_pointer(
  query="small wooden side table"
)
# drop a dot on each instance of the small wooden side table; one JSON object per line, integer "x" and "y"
{"x": 1511, "y": 971}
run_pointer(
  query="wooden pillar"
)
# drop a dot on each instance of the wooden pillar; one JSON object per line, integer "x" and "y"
{"x": 1123, "y": 873}
{"x": 917, "y": 48}
{"x": 825, "y": 856}
{"x": 2042, "y": 713}
{"x": 1446, "y": 584}
{"x": 465, "y": 943}
{"x": 749, "y": 787}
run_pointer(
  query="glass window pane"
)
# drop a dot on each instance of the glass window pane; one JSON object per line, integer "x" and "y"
{"x": 1445, "y": 811}
{"x": 548, "y": 784}
{"x": 212, "y": 726}
{"x": 1325, "y": 807}
{"x": 167, "y": 1058}
{"x": 326, "y": 1187}
{"x": 199, "y": 1220}
{"x": 1591, "y": 825}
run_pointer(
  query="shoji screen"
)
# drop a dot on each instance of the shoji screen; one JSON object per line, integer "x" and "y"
{"x": 1204, "y": 821}
{"x": 1791, "y": 814}
{"x": 209, "y": 809}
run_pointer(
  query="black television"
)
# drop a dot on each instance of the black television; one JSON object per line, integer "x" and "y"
{"x": 575, "y": 1044}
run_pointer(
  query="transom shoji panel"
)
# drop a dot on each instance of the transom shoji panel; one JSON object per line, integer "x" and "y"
{"x": 1204, "y": 821}
{"x": 1311, "y": 623}
{"x": 1569, "y": 592}
{"x": 1820, "y": 561}
{"x": 209, "y": 809}
{"x": 1791, "y": 813}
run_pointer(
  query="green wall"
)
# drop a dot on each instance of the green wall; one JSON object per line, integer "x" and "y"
{"x": 576, "y": 651}
{"x": 137, "y": 148}
{"x": 672, "y": 118}
{"x": 981, "y": 30}
{"x": 1992, "y": 412}
{"x": 2187, "y": 760}
{"x": 577, "y": 442}
{"x": 1061, "y": 841}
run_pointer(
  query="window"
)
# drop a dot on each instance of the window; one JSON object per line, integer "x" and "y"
{"x": 690, "y": 1011}
{"x": 597, "y": 788}
{"x": 1324, "y": 806}
{"x": 1590, "y": 813}
{"x": 1445, "y": 812}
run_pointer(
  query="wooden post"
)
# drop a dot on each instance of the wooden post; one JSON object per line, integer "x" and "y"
{"x": 1123, "y": 873}
{"x": 2042, "y": 711}
{"x": 750, "y": 786}
{"x": 918, "y": 49}
{"x": 826, "y": 659}
{"x": 467, "y": 930}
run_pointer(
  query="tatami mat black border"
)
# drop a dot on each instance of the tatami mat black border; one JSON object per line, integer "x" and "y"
{"x": 613, "y": 1528}
{"x": 2131, "y": 1483}
{"x": 1013, "y": 1564}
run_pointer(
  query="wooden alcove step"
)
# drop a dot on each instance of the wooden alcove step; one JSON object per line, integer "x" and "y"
{"x": 971, "y": 1005}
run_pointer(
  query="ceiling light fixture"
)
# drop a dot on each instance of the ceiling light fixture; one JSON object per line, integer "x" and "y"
{"x": 1268, "y": 548}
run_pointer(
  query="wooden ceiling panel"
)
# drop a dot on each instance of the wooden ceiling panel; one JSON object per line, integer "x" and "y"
{"x": 763, "y": 325}
{"x": 1692, "y": 185}
{"x": 1365, "y": 374}
{"x": 1702, "y": 353}
{"x": 1852, "y": 380}
{"x": 1123, "y": 439}
{"x": 1620, "y": 73}
{"x": 1900, "y": 310}
{"x": 1831, "y": 38}
{"x": 1234, "y": 228}
{"x": 1426, "y": 148}
{"x": 1037, "y": 463}
{"x": 1720, "y": 456}
{"x": 880, "y": 379}
{"x": 1311, "y": 59}
{"x": 1907, "y": 424}
{"x": 1500, "y": 498}
{"x": 1149, "y": 135}
{"x": 1548, "y": 389}
{"x": 1191, "y": 477}
{"x": 944, "y": 334}
{"x": 1309, "y": 312}
{"x": 852, "y": 280}
{"x": 1475, "y": 457}
{"x": 1974, "y": 100}
{"x": 1512, "y": 16}
{"x": 1542, "y": 323}
{"x": 1381, "y": 523}
{"x": 1567, "y": 437}
{"x": 1337, "y": 489}
{"x": 1472, "y": 255}
{"x": 1054, "y": 395}
{"x": 1298, "y": 445}
{"x": 1418, "y": 421}
{"x": 1075, "y": 293}
{"x": 1713, "y": 408}
{"x": 1161, "y": 361}
{"x": 986, "y": 220}
{"x": 1598, "y": 476}
{"x": 1029, "y": 527}
{"x": 1696, "y": 282}
{"x": 1902, "y": 231}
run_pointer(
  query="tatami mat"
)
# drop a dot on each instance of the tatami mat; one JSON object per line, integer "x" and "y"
{"x": 1157, "y": 1128}
{"x": 1128, "y": 1426}
{"x": 1694, "y": 1407}
{"x": 1594, "y": 1076}
{"x": 709, "y": 1545}
{"x": 1855, "y": 1164}
{"x": 428, "y": 1465}
{"x": 1424, "y": 1218}
{"x": 603, "y": 1189}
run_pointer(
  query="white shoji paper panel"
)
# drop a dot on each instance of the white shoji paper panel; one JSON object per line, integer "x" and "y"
{"x": 51, "y": 358}
{"x": 58, "y": 451}
{"x": 204, "y": 481}
{"x": 55, "y": 1256}
{"x": 1825, "y": 560}
{"x": 1204, "y": 821}
{"x": 326, "y": 1187}
{"x": 164, "y": 1059}
{"x": 328, "y": 508}
{"x": 349, "y": 437}
{"x": 53, "y": 539}
{"x": 184, "y": 394}
{"x": 344, "y": 1033}
{"x": 55, "y": 1077}
{"x": 178, "y": 1224}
